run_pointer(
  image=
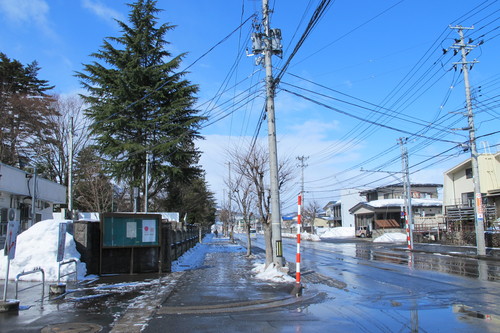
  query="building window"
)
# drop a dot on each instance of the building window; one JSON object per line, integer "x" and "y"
{"x": 468, "y": 199}
{"x": 468, "y": 173}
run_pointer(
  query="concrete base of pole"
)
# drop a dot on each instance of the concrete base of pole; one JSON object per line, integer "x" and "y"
{"x": 57, "y": 289}
{"x": 9, "y": 305}
{"x": 297, "y": 290}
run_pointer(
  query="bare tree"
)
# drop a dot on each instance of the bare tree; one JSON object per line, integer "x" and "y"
{"x": 244, "y": 198}
{"x": 52, "y": 153}
{"x": 94, "y": 191}
{"x": 310, "y": 212}
{"x": 252, "y": 164}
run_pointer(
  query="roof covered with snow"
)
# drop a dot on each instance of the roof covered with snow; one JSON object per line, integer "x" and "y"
{"x": 400, "y": 202}
{"x": 384, "y": 203}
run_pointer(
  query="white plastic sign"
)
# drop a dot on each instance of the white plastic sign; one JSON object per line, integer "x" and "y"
{"x": 10, "y": 241}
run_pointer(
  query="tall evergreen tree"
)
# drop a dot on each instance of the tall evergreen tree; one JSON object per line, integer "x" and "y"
{"x": 140, "y": 103}
{"x": 25, "y": 112}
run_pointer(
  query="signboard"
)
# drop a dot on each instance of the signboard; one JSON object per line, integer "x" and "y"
{"x": 10, "y": 241}
{"x": 479, "y": 207}
{"x": 62, "y": 242}
{"x": 56, "y": 208}
{"x": 130, "y": 230}
{"x": 148, "y": 231}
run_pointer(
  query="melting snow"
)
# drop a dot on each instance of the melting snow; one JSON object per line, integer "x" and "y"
{"x": 391, "y": 237}
{"x": 339, "y": 232}
{"x": 271, "y": 273}
{"x": 37, "y": 247}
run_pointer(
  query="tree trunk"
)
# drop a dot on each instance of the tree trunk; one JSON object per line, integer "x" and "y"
{"x": 249, "y": 240}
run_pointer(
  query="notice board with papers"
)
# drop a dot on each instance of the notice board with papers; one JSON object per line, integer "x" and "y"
{"x": 130, "y": 230}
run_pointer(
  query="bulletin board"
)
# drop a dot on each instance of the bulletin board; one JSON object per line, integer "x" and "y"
{"x": 130, "y": 230}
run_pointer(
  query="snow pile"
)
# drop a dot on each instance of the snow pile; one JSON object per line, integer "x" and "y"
{"x": 391, "y": 237}
{"x": 37, "y": 247}
{"x": 303, "y": 236}
{"x": 309, "y": 237}
{"x": 339, "y": 232}
{"x": 271, "y": 273}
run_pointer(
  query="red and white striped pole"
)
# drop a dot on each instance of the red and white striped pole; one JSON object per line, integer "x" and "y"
{"x": 408, "y": 231}
{"x": 297, "y": 274}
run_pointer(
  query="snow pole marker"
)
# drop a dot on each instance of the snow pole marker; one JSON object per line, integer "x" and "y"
{"x": 299, "y": 222}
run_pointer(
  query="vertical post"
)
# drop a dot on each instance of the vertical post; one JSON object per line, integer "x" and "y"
{"x": 302, "y": 165}
{"x": 136, "y": 195}
{"x": 299, "y": 225}
{"x": 146, "y": 189}
{"x": 6, "y": 281}
{"x": 70, "y": 170}
{"x": 33, "y": 199}
{"x": 408, "y": 214}
{"x": 273, "y": 154}
{"x": 478, "y": 207}
{"x": 229, "y": 198}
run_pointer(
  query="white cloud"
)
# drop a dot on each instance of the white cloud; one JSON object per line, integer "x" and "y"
{"x": 308, "y": 143}
{"x": 27, "y": 11}
{"x": 106, "y": 13}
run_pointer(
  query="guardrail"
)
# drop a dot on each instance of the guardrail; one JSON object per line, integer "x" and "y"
{"x": 35, "y": 270}
{"x": 66, "y": 263}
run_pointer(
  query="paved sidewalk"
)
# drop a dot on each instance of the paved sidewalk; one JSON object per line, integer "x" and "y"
{"x": 223, "y": 296}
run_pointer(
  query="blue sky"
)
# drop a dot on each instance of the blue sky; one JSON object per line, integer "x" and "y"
{"x": 375, "y": 61}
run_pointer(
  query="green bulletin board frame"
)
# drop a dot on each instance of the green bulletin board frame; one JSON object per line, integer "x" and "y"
{"x": 128, "y": 230}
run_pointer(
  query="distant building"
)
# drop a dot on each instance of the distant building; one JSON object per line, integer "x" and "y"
{"x": 16, "y": 203}
{"x": 383, "y": 206}
{"x": 337, "y": 212}
{"x": 458, "y": 192}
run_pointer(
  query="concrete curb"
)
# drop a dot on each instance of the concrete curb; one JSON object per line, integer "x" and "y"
{"x": 235, "y": 307}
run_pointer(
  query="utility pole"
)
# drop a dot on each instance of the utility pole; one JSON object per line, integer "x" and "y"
{"x": 268, "y": 43}
{"x": 269, "y": 36}
{"x": 70, "y": 170}
{"x": 302, "y": 165}
{"x": 146, "y": 189}
{"x": 407, "y": 193}
{"x": 229, "y": 198}
{"x": 478, "y": 206}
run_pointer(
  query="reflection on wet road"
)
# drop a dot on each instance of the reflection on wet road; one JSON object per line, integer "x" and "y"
{"x": 388, "y": 289}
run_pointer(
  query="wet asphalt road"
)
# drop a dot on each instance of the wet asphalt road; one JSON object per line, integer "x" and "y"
{"x": 351, "y": 286}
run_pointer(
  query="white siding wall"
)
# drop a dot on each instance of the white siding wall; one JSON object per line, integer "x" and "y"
{"x": 349, "y": 199}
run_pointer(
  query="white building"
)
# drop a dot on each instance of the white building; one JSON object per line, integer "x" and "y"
{"x": 16, "y": 188}
{"x": 459, "y": 185}
{"x": 458, "y": 192}
{"x": 338, "y": 211}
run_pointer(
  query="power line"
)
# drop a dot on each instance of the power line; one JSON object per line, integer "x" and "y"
{"x": 365, "y": 120}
